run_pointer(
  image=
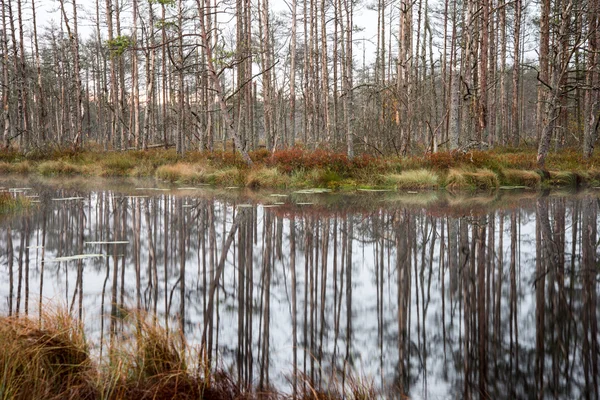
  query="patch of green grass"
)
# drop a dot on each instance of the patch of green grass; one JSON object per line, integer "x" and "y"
{"x": 413, "y": 179}
{"x": 118, "y": 164}
{"x": 53, "y": 168}
{"x": 318, "y": 177}
{"x": 145, "y": 168}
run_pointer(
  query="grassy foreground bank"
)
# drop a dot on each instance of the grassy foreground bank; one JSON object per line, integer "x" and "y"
{"x": 51, "y": 359}
{"x": 298, "y": 168}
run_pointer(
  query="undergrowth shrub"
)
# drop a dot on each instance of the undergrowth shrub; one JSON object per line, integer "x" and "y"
{"x": 288, "y": 160}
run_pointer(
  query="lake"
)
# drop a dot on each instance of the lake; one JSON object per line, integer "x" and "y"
{"x": 430, "y": 295}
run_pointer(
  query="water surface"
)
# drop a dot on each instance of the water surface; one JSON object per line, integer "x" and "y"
{"x": 430, "y": 295}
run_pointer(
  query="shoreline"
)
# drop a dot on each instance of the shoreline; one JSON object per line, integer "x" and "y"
{"x": 300, "y": 169}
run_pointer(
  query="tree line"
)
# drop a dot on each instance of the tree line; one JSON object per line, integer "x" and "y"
{"x": 199, "y": 74}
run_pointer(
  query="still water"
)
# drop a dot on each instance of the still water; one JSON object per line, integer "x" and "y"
{"x": 430, "y": 295}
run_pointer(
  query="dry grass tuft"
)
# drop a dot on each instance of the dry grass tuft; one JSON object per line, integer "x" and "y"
{"x": 465, "y": 179}
{"x": 20, "y": 167}
{"x": 49, "y": 362}
{"x": 179, "y": 172}
{"x": 226, "y": 177}
{"x": 52, "y": 168}
{"x": 267, "y": 177}
{"x": 49, "y": 359}
{"x": 516, "y": 177}
{"x": 413, "y": 179}
{"x": 563, "y": 178}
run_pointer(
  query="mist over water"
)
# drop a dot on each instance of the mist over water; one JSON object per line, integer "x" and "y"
{"x": 449, "y": 298}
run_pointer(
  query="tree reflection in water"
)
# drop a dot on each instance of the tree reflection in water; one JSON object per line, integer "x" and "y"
{"x": 429, "y": 301}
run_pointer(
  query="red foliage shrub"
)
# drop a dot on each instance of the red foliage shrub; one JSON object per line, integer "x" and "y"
{"x": 288, "y": 160}
{"x": 260, "y": 155}
{"x": 443, "y": 160}
{"x": 365, "y": 161}
{"x": 297, "y": 158}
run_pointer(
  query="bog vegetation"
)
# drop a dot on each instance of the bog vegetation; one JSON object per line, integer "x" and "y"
{"x": 51, "y": 358}
{"x": 300, "y": 168}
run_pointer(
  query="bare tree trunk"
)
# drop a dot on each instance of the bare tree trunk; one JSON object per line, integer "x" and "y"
{"x": 74, "y": 40}
{"x": 114, "y": 96}
{"x": 267, "y": 83}
{"x": 135, "y": 103}
{"x": 559, "y": 69}
{"x": 454, "y": 109}
{"x": 503, "y": 126}
{"x": 592, "y": 96}
{"x": 516, "y": 134}
{"x": 38, "y": 96}
{"x": 124, "y": 136}
{"x": 482, "y": 133}
{"x": 150, "y": 81}
{"x": 349, "y": 93}
{"x": 544, "y": 66}
{"x": 179, "y": 145}
{"x": 218, "y": 87}
{"x": 292, "y": 138}
{"x": 325, "y": 75}
{"x": 23, "y": 87}
{"x": 404, "y": 86}
{"x": 5, "y": 81}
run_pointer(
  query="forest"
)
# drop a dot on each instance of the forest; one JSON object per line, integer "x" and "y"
{"x": 206, "y": 75}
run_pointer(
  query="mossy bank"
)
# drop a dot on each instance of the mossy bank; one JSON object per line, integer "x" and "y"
{"x": 299, "y": 168}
